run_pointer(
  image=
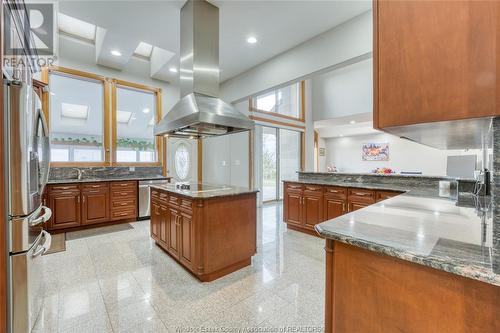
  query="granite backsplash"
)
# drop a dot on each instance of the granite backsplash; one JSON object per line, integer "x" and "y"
{"x": 60, "y": 173}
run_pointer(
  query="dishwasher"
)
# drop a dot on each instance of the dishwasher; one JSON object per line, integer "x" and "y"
{"x": 144, "y": 196}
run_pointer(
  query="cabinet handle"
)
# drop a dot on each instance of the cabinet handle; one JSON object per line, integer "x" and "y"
{"x": 93, "y": 191}
{"x": 78, "y": 199}
{"x": 95, "y": 186}
{"x": 343, "y": 207}
{"x": 361, "y": 194}
{"x": 83, "y": 198}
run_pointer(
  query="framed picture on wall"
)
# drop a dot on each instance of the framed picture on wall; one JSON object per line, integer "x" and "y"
{"x": 375, "y": 152}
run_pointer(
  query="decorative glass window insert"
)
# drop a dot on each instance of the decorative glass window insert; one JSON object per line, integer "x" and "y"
{"x": 284, "y": 101}
{"x": 76, "y": 119}
{"x": 135, "y": 118}
{"x": 182, "y": 161}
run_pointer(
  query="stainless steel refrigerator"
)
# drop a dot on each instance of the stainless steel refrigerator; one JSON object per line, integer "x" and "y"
{"x": 27, "y": 168}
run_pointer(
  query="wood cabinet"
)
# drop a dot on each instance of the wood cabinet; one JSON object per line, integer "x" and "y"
{"x": 304, "y": 206}
{"x": 209, "y": 237}
{"x": 89, "y": 204}
{"x": 435, "y": 61}
{"x": 65, "y": 206}
{"x": 95, "y": 203}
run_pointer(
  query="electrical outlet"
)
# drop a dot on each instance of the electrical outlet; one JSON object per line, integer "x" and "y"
{"x": 132, "y": 168}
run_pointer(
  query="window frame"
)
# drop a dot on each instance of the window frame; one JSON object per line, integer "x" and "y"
{"x": 301, "y": 105}
{"x": 73, "y": 73}
{"x": 116, "y": 83}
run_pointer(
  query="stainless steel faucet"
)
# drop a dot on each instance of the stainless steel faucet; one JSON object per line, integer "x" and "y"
{"x": 80, "y": 173}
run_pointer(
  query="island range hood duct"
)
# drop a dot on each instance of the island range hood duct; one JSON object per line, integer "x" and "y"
{"x": 200, "y": 113}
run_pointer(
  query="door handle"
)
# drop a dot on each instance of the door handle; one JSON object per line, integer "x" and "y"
{"x": 46, "y": 245}
{"x": 47, "y": 214}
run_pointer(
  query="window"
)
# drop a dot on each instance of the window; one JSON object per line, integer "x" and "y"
{"x": 285, "y": 102}
{"x": 181, "y": 157}
{"x": 136, "y": 111}
{"x": 77, "y": 118}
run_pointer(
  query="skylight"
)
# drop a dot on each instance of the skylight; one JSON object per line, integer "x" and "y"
{"x": 144, "y": 50}
{"x": 74, "y": 111}
{"x": 75, "y": 27}
{"x": 123, "y": 117}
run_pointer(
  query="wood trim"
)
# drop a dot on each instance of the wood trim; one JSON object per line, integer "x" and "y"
{"x": 375, "y": 65}
{"x": 301, "y": 118}
{"x": 107, "y": 153}
{"x": 251, "y": 135}
{"x": 274, "y": 114}
{"x": 75, "y": 72}
{"x": 302, "y": 151}
{"x": 316, "y": 149}
{"x": 105, "y": 86}
{"x": 136, "y": 85}
{"x": 200, "y": 160}
{"x": 276, "y": 122}
{"x": 158, "y": 140}
{"x": 165, "y": 156}
{"x": 303, "y": 100}
{"x": 329, "y": 249}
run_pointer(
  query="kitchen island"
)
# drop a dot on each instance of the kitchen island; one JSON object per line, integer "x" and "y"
{"x": 421, "y": 261}
{"x": 209, "y": 229}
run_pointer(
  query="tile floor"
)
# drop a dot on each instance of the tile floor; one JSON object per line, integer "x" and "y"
{"x": 115, "y": 279}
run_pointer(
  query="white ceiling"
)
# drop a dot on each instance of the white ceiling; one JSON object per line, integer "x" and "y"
{"x": 278, "y": 26}
{"x": 352, "y": 125}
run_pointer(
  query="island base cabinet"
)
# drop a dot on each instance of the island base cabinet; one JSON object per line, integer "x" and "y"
{"x": 209, "y": 237}
{"x": 371, "y": 292}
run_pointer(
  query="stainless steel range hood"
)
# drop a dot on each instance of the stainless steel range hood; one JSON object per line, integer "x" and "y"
{"x": 200, "y": 113}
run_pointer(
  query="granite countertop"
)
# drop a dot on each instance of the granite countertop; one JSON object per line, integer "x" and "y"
{"x": 455, "y": 235}
{"x": 383, "y": 175}
{"x": 211, "y": 191}
{"x": 107, "y": 179}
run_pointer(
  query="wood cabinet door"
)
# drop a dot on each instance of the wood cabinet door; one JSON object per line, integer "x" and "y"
{"x": 312, "y": 211}
{"x": 95, "y": 208}
{"x": 187, "y": 238}
{"x": 293, "y": 207}
{"x": 155, "y": 221}
{"x": 164, "y": 226}
{"x": 435, "y": 61}
{"x": 334, "y": 208}
{"x": 357, "y": 205}
{"x": 173, "y": 237}
{"x": 65, "y": 208}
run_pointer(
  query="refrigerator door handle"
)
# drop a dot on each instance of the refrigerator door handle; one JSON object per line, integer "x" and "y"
{"x": 45, "y": 148}
{"x": 47, "y": 214}
{"x": 46, "y": 245}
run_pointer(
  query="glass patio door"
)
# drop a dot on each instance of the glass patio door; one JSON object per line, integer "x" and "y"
{"x": 280, "y": 160}
{"x": 269, "y": 163}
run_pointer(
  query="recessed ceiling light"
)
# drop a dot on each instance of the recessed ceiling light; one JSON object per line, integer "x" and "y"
{"x": 173, "y": 69}
{"x": 146, "y": 110}
{"x": 352, "y": 122}
{"x": 251, "y": 40}
{"x": 116, "y": 53}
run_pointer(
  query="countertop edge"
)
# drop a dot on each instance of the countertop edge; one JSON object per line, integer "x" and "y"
{"x": 208, "y": 196}
{"x": 110, "y": 179}
{"x": 462, "y": 270}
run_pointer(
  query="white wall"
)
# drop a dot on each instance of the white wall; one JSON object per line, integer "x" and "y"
{"x": 404, "y": 155}
{"x": 225, "y": 159}
{"x": 342, "y": 43}
{"x": 343, "y": 92}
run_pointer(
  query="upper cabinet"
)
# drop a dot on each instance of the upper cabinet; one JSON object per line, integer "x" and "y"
{"x": 435, "y": 61}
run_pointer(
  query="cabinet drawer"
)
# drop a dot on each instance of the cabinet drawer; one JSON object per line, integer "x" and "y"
{"x": 95, "y": 186}
{"x": 313, "y": 189}
{"x": 63, "y": 188}
{"x": 129, "y": 213}
{"x": 294, "y": 187}
{"x": 382, "y": 195}
{"x": 361, "y": 195}
{"x": 123, "y": 194}
{"x": 186, "y": 204}
{"x": 122, "y": 204}
{"x": 132, "y": 185}
{"x": 174, "y": 200}
{"x": 339, "y": 192}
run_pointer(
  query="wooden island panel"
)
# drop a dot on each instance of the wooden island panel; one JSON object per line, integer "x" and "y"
{"x": 371, "y": 292}
{"x": 210, "y": 237}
